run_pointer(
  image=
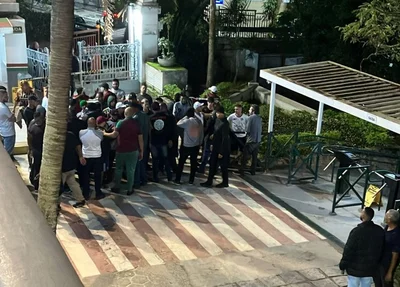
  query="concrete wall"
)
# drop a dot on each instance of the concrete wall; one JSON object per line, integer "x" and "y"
{"x": 254, "y": 92}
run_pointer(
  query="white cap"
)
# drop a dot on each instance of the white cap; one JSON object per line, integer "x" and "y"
{"x": 197, "y": 105}
{"x": 120, "y": 105}
{"x": 213, "y": 89}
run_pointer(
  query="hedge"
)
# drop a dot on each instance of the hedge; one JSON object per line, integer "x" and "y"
{"x": 349, "y": 129}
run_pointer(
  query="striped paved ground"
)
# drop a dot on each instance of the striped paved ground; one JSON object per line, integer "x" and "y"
{"x": 165, "y": 223}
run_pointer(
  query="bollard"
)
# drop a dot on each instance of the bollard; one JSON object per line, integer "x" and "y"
{"x": 30, "y": 254}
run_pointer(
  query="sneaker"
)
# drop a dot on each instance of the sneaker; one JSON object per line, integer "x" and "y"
{"x": 222, "y": 185}
{"x": 191, "y": 181}
{"x": 79, "y": 204}
{"x": 206, "y": 184}
{"x": 130, "y": 192}
{"x": 176, "y": 182}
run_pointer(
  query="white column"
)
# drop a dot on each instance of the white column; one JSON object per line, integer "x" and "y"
{"x": 131, "y": 37}
{"x": 271, "y": 108}
{"x": 146, "y": 32}
{"x": 320, "y": 118}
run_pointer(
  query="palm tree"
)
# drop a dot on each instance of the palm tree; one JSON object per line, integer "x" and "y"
{"x": 62, "y": 19}
{"x": 211, "y": 44}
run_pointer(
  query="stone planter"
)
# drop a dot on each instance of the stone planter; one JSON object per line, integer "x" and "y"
{"x": 167, "y": 62}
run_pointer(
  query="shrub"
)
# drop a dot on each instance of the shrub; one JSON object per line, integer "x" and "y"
{"x": 171, "y": 90}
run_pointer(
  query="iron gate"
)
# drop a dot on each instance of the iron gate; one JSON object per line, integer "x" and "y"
{"x": 97, "y": 64}
{"x": 103, "y": 63}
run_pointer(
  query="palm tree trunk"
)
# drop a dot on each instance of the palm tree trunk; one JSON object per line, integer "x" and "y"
{"x": 62, "y": 19}
{"x": 211, "y": 44}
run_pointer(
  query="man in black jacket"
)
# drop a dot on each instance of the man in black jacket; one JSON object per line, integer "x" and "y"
{"x": 220, "y": 149}
{"x": 363, "y": 251}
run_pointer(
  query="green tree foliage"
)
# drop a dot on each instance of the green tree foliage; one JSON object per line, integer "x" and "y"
{"x": 188, "y": 18}
{"x": 270, "y": 10}
{"x": 313, "y": 23}
{"x": 377, "y": 28}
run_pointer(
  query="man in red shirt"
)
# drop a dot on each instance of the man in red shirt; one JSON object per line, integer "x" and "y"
{"x": 129, "y": 150}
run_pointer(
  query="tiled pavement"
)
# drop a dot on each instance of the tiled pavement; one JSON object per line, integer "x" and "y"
{"x": 164, "y": 223}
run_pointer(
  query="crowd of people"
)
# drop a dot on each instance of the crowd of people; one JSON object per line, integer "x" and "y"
{"x": 115, "y": 135}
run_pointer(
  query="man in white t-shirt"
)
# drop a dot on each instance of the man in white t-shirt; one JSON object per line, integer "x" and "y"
{"x": 238, "y": 122}
{"x": 91, "y": 139}
{"x": 7, "y": 120}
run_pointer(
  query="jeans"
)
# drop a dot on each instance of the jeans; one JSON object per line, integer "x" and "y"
{"x": 359, "y": 281}
{"x": 127, "y": 160}
{"x": 186, "y": 152}
{"x": 205, "y": 158}
{"x": 141, "y": 169}
{"x": 160, "y": 153}
{"x": 95, "y": 165}
{"x": 9, "y": 143}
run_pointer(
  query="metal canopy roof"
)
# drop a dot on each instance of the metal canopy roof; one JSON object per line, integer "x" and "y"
{"x": 365, "y": 96}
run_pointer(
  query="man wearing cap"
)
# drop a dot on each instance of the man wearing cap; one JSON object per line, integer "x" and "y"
{"x": 198, "y": 107}
{"x": 129, "y": 150}
{"x": 7, "y": 120}
{"x": 213, "y": 92}
{"x": 82, "y": 115}
{"x": 220, "y": 150}
{"x": 120, "y": 108}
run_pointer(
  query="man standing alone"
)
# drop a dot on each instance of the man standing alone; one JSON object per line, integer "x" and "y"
{"x": 7, "y": 120}
{"x": 253, "y": 140}
{"x": 363, "y": 251}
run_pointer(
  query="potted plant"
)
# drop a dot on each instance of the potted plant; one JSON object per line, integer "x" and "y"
{"x": 167, "y": 58}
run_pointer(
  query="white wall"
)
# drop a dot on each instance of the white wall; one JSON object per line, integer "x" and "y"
{"x": 16, "y": 44}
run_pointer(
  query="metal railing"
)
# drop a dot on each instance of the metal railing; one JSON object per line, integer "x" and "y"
{"x": 38, "y": 66}
{"x": 343, "y": 178}
{"x": 103, "y": 63}
{"x": 252, "y": 24}
{"x": 97, "y": 63}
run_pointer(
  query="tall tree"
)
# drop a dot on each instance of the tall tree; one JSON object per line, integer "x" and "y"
{"x": 62, "y": 19}
{"x": 313, "y": 24}
{"x": 211, "y": 44}
{"x": 377, "y": 29}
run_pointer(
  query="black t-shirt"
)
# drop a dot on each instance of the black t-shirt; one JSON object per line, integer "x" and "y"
{"x": 162, "y": 128}
{"x": 36, "y": 133}
{"x": 70, "y": 157}
{"x": 392, "y": 244}
{"x": 28, "y": 115}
